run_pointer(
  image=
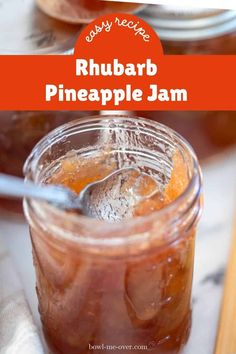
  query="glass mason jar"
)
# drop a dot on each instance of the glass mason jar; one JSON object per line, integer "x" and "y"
{"x": 198, "y": 31}
{"x": 19, "y": 132}
{"x": 116, "y": 285}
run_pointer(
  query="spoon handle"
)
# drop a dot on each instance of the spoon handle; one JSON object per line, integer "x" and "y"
{"x": 15, "y": 187}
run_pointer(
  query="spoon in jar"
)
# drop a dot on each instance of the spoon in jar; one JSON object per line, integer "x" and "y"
{"x": 110, "y": 198}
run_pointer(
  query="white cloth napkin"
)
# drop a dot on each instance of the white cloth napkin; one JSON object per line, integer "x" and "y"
{"x": 18, "y": 334}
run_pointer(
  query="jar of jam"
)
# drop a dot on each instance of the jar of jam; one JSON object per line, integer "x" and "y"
{"x": 84, "y": 11}
{"x": 198, "y": 31}
{"x": 19, "y": 132}
{"x": 121, "y": 285}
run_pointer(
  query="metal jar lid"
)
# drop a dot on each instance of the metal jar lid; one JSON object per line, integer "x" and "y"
{"x": 173, "y": 23}
{"x": 26, "y": 30}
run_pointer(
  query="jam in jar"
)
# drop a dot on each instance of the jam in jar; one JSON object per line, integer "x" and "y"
{"x": 121, "y": 285}
{"x": 84, "y": 11}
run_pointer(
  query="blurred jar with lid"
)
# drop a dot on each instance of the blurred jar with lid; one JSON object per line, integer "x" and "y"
{"x": 197, "y": 32}
{"x": 193, "y": 31}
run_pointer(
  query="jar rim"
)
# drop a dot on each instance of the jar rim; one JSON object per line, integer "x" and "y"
{"x": 194, "y": 186}
{"x": 174, "y": 23}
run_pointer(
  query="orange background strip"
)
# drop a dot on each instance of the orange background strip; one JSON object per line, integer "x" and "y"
{"x": 209, "y": 80}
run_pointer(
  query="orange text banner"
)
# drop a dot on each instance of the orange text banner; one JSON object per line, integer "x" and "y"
{"x": 138, "y": 76}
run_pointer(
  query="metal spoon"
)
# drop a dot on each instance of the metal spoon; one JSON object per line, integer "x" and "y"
{"x": 103, "y": 199}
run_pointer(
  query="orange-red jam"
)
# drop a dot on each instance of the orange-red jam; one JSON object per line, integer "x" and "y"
{"x": 89, "y": 301}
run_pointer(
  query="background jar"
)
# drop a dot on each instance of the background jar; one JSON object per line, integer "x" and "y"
{"x": 84, "y": 11}
{"x": 126, "y": 283}
{"x": 198, "y": 31}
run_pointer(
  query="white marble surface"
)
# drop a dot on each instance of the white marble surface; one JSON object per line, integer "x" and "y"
{"x": 212, "y": 246}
